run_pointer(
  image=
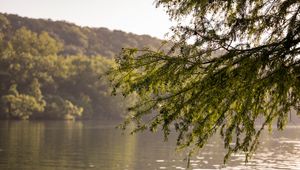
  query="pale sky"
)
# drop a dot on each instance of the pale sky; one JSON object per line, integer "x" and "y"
{"x": 136, "y": 16}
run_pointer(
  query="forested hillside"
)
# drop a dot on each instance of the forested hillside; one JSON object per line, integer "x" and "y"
{"x": 79, "y": 40}
{"x": 51, "y": 70}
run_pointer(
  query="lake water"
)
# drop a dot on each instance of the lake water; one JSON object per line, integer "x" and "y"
{"x": 63, "y": 145}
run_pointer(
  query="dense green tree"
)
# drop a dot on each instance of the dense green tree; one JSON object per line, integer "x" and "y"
{"x": 48, "y": 45}
{"x": 28, "y": 42}
{"x": 232, "y": 63}
{"x": 20, "y": 106}
{"x": 25, "y": 41}
{"x": 4, "y": 27}
{"x": 59, "y": 108}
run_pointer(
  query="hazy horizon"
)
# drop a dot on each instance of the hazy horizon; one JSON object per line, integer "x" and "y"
{"x": 138, "y": 17}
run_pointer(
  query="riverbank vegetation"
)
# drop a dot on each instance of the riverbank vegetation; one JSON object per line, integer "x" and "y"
{"x": 48, "y": 69}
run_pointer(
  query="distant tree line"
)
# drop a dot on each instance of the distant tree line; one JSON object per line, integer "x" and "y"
{"x": 80, "y": 40}
{"x": 40, "y": 78}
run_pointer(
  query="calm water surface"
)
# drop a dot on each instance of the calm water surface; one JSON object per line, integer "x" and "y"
{"x": 59, "y": 145}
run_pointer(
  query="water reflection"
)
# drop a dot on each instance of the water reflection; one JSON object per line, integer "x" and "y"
{"x": 67, "y": 145}
{"x": 98, "y": 145}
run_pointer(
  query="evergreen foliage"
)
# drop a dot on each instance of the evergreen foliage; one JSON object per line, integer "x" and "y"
{"x": 232, "y": 63}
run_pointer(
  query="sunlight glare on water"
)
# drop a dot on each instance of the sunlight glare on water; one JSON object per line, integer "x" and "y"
{"x": 63, "y": 145}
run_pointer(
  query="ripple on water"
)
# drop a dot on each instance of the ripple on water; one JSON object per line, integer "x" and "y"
{"x": 194, "y": 161}
{"x": 205, "y": 162}
{"x": 92, "y": 166}
{"x": 199, "y": 157}
{"x": 296, "y": 168}
{"x": 160, "y": 160}
{"x": 289, "y": 141}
